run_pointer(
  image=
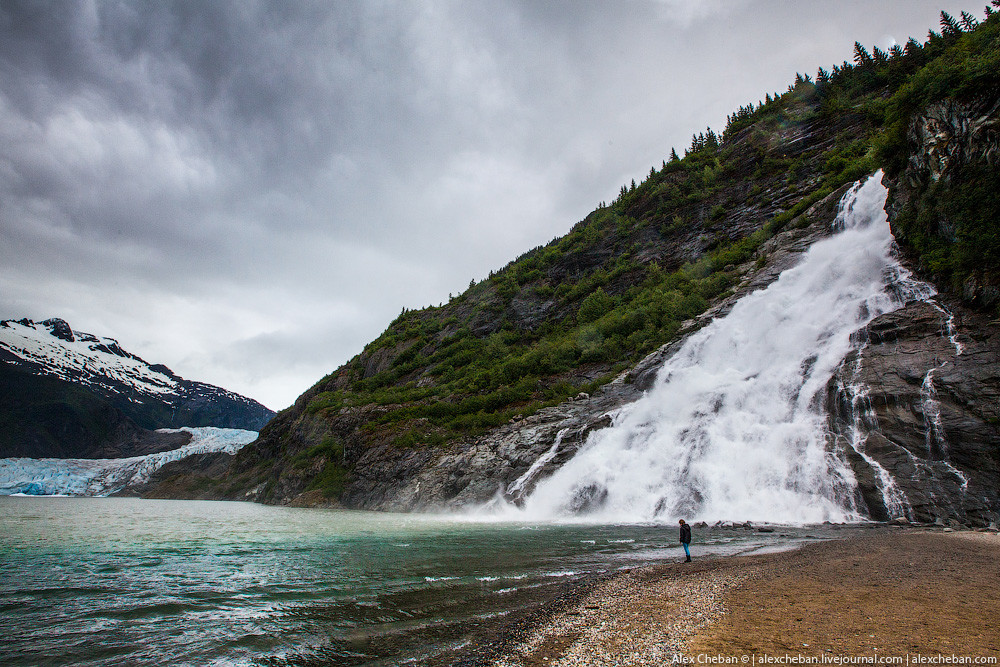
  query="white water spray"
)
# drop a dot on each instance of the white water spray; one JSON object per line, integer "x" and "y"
{"x": 734, "y": 427}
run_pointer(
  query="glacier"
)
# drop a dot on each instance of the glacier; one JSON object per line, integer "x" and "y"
{"x": 103, "y": 477}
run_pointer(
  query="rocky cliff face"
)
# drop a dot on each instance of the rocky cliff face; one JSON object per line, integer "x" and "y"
{"x": 942, "y": 206}
{"x": 948, "y": 136}
{"x": 921, "y": 396}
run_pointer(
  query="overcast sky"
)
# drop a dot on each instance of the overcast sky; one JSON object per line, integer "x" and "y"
{"x": 248, "y": 191}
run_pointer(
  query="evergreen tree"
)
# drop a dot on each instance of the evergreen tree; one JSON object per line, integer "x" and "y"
{"x": 879, "y": 56}
{"x": 913, "y": 47}
{"x": 969, "y": 21}
{"x": 673, "y": 155}
{"x": 861, "y": 55}
{"x": 949, "y": 26}
{"x": 896, "y": 51}
{"x": 697, "y": 142}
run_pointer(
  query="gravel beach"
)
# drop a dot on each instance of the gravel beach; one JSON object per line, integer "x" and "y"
{"x": 883, "y": 596}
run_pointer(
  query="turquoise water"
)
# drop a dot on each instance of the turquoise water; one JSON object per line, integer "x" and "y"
{"x": 116, "y": 581}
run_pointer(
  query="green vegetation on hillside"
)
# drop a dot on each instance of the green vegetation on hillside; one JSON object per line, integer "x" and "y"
{"x": 951, "y": 225}
{"x": 568, "y": 316}
{"x": 443, "y": 378}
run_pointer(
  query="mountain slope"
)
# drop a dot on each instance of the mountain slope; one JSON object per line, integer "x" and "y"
{"x": 454, "y": 404}
{"x": 72, "y": 394}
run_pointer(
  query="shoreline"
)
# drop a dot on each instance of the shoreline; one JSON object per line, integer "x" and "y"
{"x": 887, "y": 591}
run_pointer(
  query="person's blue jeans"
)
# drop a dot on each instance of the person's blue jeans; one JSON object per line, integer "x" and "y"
{"x": 687, "y": 552}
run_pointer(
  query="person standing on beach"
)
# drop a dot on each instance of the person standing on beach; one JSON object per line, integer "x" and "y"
{"x": 686, "y": 539}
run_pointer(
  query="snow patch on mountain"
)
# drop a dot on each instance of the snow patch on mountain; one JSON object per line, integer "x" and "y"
{"x": 102, "y": 477}
{"x": 53, "y": 348}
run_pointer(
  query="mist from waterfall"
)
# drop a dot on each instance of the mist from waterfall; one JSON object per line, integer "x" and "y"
{"x": 735, "y": 427}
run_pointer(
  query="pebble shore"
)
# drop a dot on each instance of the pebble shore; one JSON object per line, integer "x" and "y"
{"x": 886, "y": 591}
{"x": 642, "y": 617}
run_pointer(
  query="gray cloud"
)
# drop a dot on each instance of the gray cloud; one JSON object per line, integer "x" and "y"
{"x": 250, "y": 191}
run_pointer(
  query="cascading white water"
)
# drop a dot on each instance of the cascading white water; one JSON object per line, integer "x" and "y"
{"x": 863, "y": 422}
{"x": 937, "y": 444}
{"x": 529, "y": 476}
{"x": 734, "y": 428}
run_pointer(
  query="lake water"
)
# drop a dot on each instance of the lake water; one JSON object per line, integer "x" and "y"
{"x": 116, "y": 581}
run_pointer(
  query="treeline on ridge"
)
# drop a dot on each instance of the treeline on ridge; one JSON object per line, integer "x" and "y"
{"x": 569, "y": 316}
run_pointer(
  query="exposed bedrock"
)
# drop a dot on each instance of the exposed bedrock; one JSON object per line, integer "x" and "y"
{"x": 931, "y": 415}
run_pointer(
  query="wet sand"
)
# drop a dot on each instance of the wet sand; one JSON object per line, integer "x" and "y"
{"x": 890, "y": 592}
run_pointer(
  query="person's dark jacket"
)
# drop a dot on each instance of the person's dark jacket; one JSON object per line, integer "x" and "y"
{"x": 686, "y": 533}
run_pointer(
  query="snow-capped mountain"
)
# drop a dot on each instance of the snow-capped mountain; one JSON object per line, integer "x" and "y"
{"x": 53, "y": 348}
{"x": 52, "y": 376}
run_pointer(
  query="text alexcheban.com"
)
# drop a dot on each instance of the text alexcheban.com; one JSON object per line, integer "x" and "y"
{"x": 831, "y": 659}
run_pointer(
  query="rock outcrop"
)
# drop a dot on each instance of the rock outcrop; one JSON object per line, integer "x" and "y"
{"x": 953, "y": 167}
{"x": 920, "y": 398}
{"x": 950, "y": 135}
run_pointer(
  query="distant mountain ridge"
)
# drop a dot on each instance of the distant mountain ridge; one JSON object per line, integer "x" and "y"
{"x": 74, "y": 394}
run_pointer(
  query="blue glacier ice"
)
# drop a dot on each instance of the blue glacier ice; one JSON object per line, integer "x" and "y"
{"x": 102, "y": 477}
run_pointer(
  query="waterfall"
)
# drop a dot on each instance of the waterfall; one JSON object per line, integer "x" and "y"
{"x": 522, "y": 482}
{"x": 863, "y": 422}
{"x": 734, "y": 427}
{"x": 934, "y": 436}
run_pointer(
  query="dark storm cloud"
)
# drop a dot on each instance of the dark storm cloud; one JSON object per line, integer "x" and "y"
{"x": 168, "y": 121}
{"x": 249, "y": 191}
